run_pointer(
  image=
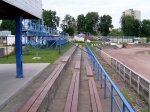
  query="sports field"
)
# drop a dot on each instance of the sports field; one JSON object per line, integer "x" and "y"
{"x": 137, "y": 59}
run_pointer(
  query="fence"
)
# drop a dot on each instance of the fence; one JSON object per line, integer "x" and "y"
{"x": 108, "y": 83}
{"x": 140, "y": 84}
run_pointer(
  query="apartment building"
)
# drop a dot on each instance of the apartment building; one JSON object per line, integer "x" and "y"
{"x": 131, "y": 12}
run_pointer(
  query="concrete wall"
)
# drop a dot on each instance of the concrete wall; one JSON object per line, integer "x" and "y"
{"x": 34, "y": 7}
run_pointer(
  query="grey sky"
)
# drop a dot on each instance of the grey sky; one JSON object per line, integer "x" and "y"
{"x": 112, "y": 7}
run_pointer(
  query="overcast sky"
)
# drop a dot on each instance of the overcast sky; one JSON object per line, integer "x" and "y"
{"x": 112, "y": 7}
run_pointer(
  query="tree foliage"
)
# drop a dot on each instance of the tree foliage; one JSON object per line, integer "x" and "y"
{"x": 8, "y": 25}
{"x": 68, "y": 25}
{"x": 116, "y": 32}
{"x": 91, "y": 20}
{"x": 105, "y": 24}
{"x": 145, "y": 28}
{"x": 130, "y": 26}
{"x": 50, "y": 18}
{"x": 81, "y": 23}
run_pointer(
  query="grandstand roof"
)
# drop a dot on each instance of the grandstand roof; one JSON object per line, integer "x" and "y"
{"x": 10, "y": 9}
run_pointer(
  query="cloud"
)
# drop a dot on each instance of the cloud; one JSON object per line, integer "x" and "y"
{"x": 112, "y": 7}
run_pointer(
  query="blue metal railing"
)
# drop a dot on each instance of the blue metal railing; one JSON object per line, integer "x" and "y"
{"x": 37, "y": 30}
{"x": 105, "y": 78}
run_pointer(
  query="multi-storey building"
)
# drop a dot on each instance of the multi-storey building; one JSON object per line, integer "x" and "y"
{"x": 135, "y": 13}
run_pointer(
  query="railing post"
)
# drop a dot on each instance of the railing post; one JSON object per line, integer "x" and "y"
{"x": 112, "y": 98}
{"x": 124, "y": 108}
{"x": 124, "y": 71}
{"x": 101, "y": 78}
{"x": 93, "y": 62}
{"x": 116, "y": 65}
{"x": 130, "y": 78}
{"x": 149, "y": 96}
{"x": 138, "y": 88}
{"x": 104, "y": 86}
{"x": 119, "y": 69}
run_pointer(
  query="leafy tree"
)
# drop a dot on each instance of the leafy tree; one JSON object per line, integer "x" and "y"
{"x": 145, "y": 28}
{"x": 105, "y": 24}
{"x": 8, "y": 25}
{"x": 116, "y": 32}
{"x": 136, "y": 28}
{"x": 130, "y": 26}
{"x": 50, "y": 19}
{"x": 81, "y": 23}
{"x": 91, "y": 20}
{"x": 68, "y": 25}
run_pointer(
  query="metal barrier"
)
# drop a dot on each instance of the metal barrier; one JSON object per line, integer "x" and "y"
{"x": 140, "y": 84}
{"x": 108, "y": 83}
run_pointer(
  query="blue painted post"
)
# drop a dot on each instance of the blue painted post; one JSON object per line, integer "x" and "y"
{"x": 101, "y": 74}
{"x": 123, "y": 109}
{"x": 93, "y": 62}
{"x": 104, "y": 86}
{"x": 18, "y": 43}
{"x": 112, "y": 98}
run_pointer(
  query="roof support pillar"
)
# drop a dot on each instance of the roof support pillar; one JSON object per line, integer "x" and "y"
{"x": 18, "y": 43}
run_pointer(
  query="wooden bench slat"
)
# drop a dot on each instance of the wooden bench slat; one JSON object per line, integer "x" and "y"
{"x": 77, "y": 64}
{"x": 35, "y": 95}
{"x": 99, "y": 106}
{"x": 89, "y": 71}
{"x": 76, "y": 92}
{"x": 97, "y": 99}
{"x": 93, "y": 102}
{"x": 70, "y": 94}
{"x": 66, "y": 58}
{"x": 41, "y": 97}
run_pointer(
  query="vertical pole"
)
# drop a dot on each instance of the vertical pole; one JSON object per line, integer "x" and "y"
{"x": 149, "y": 96}
{"x": 130, "y": 78}
{"x": 138, "y": 88}
{"x": 112, "y": 98}
{"x": 104, "y": 86}
{"x": 124, "y": 108}
{"x": 18, "y": 43}
{"x": 124, "y": 71}
{"x": 6, "y": 48}
{"x": 59, "y": 45}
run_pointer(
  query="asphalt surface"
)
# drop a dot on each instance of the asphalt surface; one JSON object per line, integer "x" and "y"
{"x": 10, "y": 85}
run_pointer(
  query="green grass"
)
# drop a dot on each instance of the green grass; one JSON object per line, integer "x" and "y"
{"x": 48, "y": 55}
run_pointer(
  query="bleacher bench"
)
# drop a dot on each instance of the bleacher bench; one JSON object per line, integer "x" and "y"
{"x": 77, "y": 65}
{"x": 95, "y": 100}
{"x": 89, "y": 72}
{"x": 72, "y": 98}
{"x": 35, "y": 101}
{"x": 66, "y": 58}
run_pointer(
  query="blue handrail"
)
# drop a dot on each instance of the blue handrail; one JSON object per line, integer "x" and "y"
{"x": 125, "y": 105}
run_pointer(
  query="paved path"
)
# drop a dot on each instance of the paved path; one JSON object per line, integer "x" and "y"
{"x": 137, "y": 59}
{"x": 10, "y": 85}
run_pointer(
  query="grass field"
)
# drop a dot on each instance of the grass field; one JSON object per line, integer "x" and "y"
{"x": 48, "y": 55}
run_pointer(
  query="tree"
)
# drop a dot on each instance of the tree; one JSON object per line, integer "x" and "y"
{"x": 91, "y": 20}
{"x": 105, "y": 24}
{"x": 136, "y": 28}
{"x": 116, "y": 32}
{"x": 81, "y": 23}
{"x": 145, "y": 28}
{"x": 68, "y": 25}
{"x": 50, "y": 19}
{"x": 130, "y": 26}
{"x": 8, "y": 25}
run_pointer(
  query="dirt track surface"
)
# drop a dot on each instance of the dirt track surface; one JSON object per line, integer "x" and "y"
{"x": 138, "y": 59}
